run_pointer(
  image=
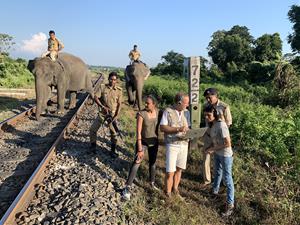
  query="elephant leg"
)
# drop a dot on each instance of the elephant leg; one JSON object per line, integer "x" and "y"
{"x": 139, "y": 92}
{"x": 72, "y": 104}
{"x": 46, "y": 99}
{"x": 130, "y": 93}
{"x": 61, "y": 94}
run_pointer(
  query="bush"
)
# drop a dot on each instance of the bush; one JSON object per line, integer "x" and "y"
{"x": 165, "y": 87}
{"x": 14, "y": 73}
{"x": 259, "y": 72}
{"x": 270, "y": 133}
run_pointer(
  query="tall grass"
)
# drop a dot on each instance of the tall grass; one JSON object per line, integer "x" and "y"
{"x": 266, "y": 142}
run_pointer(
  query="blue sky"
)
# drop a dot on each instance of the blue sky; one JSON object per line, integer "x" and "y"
{"x": 102, "y": 32}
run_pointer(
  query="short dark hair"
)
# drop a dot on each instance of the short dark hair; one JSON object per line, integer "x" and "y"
{"x": 210, "y": 91}
{"x": 211, "y": 109}
{"x": 135, "y": 46}
{"x": 51, "y": 32}
{"x": 113, "y": 74}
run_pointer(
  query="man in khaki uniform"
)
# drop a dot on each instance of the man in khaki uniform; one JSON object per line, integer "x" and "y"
{"x": 134, "y": 55}
{"x": 223, "y": 109}
{"x": 108, "y": 97}
{"x": 54, "y": 46}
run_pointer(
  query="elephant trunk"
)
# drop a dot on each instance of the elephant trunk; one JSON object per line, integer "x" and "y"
{"x": 139, "y": 91}
{"x": 39, "y": 89}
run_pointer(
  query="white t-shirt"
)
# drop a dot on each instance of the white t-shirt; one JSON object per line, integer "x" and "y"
{"x": 186, "y": 113}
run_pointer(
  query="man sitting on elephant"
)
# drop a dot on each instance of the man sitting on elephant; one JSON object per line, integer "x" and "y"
{"x": 134, "y": 55}
{"x": 109, "y": 99}
{"x": 54, "y": 46}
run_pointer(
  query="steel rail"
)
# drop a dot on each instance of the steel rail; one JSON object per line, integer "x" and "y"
{"x": 26, "y": 194}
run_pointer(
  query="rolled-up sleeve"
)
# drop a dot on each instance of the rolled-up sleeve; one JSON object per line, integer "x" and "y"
{"x": 164, "y": 118}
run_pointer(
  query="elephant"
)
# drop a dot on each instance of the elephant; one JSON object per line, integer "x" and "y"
{"x": 67, "y": 73}
{"x": 135, "y": 75}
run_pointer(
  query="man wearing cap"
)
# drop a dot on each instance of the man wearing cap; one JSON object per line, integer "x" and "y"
{"x": 211, "y": 96}
{"x": 54, "y": 46}
{"x": 134, "y": 55}
{"x": 109, "y": 98}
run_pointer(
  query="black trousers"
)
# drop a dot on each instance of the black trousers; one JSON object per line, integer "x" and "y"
{"x": 152, "y": 154}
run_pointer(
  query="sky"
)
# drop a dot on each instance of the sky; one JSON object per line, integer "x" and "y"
{"x": 103, "y": 32}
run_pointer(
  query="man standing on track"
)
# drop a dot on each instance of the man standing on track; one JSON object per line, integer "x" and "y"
{"x": 109, "y": 99}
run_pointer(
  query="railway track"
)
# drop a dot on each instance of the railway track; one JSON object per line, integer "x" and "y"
{"x": 25, "y": 154}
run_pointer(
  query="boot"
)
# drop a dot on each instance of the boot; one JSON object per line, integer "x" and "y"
{"x": 113, "y": 150}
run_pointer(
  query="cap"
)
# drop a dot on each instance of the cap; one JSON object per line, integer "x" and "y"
{"x": 210, "y": 91}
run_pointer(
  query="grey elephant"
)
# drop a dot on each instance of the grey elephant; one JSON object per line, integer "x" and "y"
{"x": 135, "y": 76}
{"x": 68, "y": 73}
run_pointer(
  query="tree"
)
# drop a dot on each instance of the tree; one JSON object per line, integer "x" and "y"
{"x": 294, "y": 38}
{"x": 287, "y": 84}
{"x": 233, "y": 46}
{"x": 172, "y": 64}
{"x": 241, "y": 31}
{"x": 268, "y": 47}
{"x": 6, "y": 42}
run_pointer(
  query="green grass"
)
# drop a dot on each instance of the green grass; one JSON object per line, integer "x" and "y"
{"x": 266, "y": 163}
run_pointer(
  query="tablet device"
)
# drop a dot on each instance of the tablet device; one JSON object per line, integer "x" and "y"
{"x": 194, "y": 133}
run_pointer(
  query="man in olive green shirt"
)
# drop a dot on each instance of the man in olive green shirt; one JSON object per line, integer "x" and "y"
{"x": 134, "y": 55}
{"x": 54, "y": 46}
{"x": 109, "y": 98}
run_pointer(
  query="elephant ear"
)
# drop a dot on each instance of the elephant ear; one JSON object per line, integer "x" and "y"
{"x": 31, "y": 64}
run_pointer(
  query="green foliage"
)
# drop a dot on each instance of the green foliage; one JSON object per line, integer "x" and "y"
{"x": 214, "y": 73}
{"x": 294, "y": 38}
{"x": 172, "y": 64}
{"x": 233, "y": 46}
{"x": 286, "y": 85}
{"x": 165, "y": 87}
{"x": 261, "y": 129}
{"x": 266, "y": 143}
{"x": 267, "y": 132}
{"x": 259, "y": 72}
{"x": 6, "y": 43}
{"x": 268, "y": 47}
{"x": 14, "y": 73}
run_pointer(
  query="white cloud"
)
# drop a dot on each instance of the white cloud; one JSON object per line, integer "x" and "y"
{"x": 36, "y": 45}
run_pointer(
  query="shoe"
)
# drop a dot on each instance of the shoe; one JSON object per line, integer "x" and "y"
{"x": 177, "y": 194}
{"x": 153, "y": 186}
{"x": 229, "y": 210}
{"x": 204, "y": 186}
{"x": 168, "y": 195}
{"x": 113, "y": 151}
{"x": 126, "y": 193}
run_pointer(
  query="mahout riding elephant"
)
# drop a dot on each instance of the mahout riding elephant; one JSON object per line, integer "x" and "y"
{"x": 68, "y": 73}
{"x": 135, "y": 75}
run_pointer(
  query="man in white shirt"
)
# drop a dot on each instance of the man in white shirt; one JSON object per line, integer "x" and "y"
{"x": 174, "y": 124}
